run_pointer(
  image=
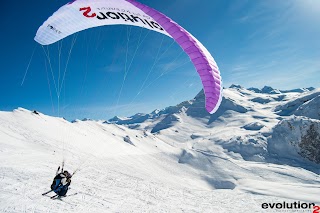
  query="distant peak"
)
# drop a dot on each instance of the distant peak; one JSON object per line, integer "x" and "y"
{"x": 116, "y": 118}
{"x": 253, "y": 89}
{"x": 87, "y": 119}
{"x": 310, "y": 88}
{"x": 200, "y": 95}
{"x": 270, "y": 90}
{"x": 156, "y": 111}
{"x": 265, "y": 89}
{"x": 236, "y": 86}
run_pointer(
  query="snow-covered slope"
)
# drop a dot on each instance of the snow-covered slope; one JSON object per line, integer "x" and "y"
{"x": 179, "y": 159}
{"x": 300, "y": 105}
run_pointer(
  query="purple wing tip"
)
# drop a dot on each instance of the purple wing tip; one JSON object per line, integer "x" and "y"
{"x": 206, "y": 66}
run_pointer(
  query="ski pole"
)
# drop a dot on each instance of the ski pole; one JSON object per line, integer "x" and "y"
{"x": 75, "y": 172}
{"x": 58, "y": 170}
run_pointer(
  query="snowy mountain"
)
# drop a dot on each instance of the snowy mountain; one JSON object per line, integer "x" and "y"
{"x": 261, "y": 146}
{"x": 252, "y": 116}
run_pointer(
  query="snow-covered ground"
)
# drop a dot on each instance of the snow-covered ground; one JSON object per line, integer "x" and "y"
{"x": 261, "y": 146}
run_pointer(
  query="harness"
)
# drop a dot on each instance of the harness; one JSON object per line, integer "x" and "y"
{"x": 57, "y": 185}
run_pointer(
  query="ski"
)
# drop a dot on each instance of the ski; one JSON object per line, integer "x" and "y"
{"x": 59, "y": 197}
{"x": 54, "y": 197}
{"x": 47, "y": 192}
{"x": 71, "y": 194}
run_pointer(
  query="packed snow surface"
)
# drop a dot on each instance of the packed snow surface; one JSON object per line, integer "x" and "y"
{"x": 179, "y": 159}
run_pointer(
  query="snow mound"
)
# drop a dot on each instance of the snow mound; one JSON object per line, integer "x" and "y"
{"x": 279, "y": 97}
{"x": 167, "y": 122}
{"x": 296, "y": 138}
{"x": 309, "y": 109}
{"x": 250, "y": 147}
{"x": 230, "y": 104}
{"x": 222, "y": 184}
{"x": 185, "y": 157}
{"x": 253, "y": 126}
{"x": 195, "y": 136}
{"x": 261, "y": 100}
{"x": 289, "y": 107}
{"x": 128, "y": 139}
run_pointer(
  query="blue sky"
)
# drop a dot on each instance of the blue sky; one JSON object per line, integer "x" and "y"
{"x": 255, "y": 43}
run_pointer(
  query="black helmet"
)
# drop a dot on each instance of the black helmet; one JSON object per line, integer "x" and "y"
{"x": 67, "y": 174}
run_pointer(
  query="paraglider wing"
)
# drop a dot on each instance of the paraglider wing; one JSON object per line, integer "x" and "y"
{"x": 83, "y": 14}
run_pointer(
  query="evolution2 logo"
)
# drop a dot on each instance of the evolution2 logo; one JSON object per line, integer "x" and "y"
{"x": 120, "y": 14}
{"x": 295, "y": 206}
